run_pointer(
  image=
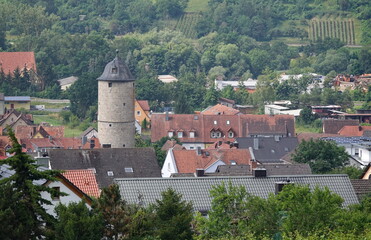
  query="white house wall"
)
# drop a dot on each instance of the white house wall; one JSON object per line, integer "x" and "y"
{"x": 193, "y": 146}
{"x": 65, "y": 200}
{"x": 169, "y": 166}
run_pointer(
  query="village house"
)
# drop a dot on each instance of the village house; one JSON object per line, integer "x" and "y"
{"x": 108, "y": 163}
{"x": 17, "y": 102}
{"x": 10, "y": 61}
{"x": 188, "y": 161}
{"x": 79, "y": 185}
{"x": 249, "y": 85}
{"x": 12, "y": 119}
{"x": 65, "y": 83}
{"x": 333, "y": 126}
{"x": 359, "y": 149}
{"x": 142, "y": 111}
{"x": 199, "y": 130}
{"x": 268, "y": 149}
{"x": 220, "y": 109}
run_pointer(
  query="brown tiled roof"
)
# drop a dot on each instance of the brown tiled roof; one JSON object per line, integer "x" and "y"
{"x": 333, "y": 126}
{"x": 314, "y": 136}
{"x": 220, "y": 109}
{"x": 4, "y": 141}
{"x": 171, "y": 144}
{"x": 9, "y": 61}
{"x": 354, "y": 131}
{"x": 85, "y": 180}
{"x": 54, "y": 131}
{"x": 144, "y": 105}
{"x": 243, "y": 125}
{"x": 187, "y": 161}
{"x": 64, "y": 143}
{"x": 362, "y": 187}
{"x": 25, "y": 131}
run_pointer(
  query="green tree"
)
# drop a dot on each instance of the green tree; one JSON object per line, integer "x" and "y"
{"x": 306, "y": 116}
{"x": 322, "y": 156}
{"x": 307, "y": 210}
{"x": 115, "y": 212}
{"x": 30, "y": 219}
{"x": 173, "y": 216}
{"x": 76, "y": 221}
{"x": 226, "y": 214}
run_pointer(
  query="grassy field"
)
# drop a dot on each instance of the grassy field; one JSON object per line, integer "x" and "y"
{"x": 306, "y": 129}
{"x": 197, "y": 6}
{"x": 54, "y": 120}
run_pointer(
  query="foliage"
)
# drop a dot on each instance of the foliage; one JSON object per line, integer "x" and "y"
{"x": 322, "y": 156}
{"x": 76, "y": 221}
{"x": 226, "y": 215}
{"x": 115, "y": 212}
{"x": 306, "y": 116}
{"x": 173, "y": 216}
{"x": 22, "y": 205}
{"x": 352, "y": 172}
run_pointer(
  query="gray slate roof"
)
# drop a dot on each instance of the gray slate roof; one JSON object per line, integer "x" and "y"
{"x": 197, "y": 190}
{"x": 287, "y": 169}
{"x": 142, "y": 161}
{"x": 67, "y": 80}
{"x": 17, "y": 98}
{"x": 122, "y": 73}
{"x": 270, "y": 150}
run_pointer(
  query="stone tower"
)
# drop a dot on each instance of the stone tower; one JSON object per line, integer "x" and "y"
{"x": 116, "y": 121}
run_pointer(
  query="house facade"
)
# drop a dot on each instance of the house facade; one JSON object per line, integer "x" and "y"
{"x": 17, "y": 102}
{"x": 142, "y": 111}
{"x": 188, "y": 161}
{"x": 199, "y": 130}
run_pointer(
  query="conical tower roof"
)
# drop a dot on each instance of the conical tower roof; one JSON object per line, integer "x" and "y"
{"x": 116, "y": 70}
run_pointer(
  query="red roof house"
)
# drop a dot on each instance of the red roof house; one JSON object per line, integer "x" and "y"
{"x": 10, "y": 61}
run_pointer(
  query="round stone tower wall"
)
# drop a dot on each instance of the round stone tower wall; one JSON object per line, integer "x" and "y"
{"x": 116, "y": 121}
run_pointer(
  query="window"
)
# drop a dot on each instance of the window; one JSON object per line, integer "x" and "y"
{"x": 228, "y": 122}
{"x": 110, "y": 173}
{"x": 216, "y": 134}
{"x": 230, "y": 134}
{"x": 109, "y": 84}
{"x": 191, "y": 134}
{"x": 215, "y": 122}
{"x": 114, "y": 70}
{"x": 55, "y": 195}
{"x": 129, "y": 169}
{"x": 138, "y": 113}
{"x": 180, "y": 134}
{"x": 233, "y": 162}
{"x": 106, "y": 145}
{"x": 110, "y": 125}
{"x": 170, "y": 134}
{"x": 195, "y": 117}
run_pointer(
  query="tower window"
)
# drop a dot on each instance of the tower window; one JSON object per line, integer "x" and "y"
{"x": 110, "y": 125}
{"x": 114, "y": 70}
{"x": 109, "y": 84}
{"x": 106, "y": 145}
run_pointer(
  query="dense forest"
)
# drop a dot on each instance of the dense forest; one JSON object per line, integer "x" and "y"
{"x": 237, "y": 39}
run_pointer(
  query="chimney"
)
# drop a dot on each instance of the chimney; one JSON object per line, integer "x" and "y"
{"x": 200, "y": 172}
{"x": 256, "y": 143}
{"x": 259, "y": 172}
{"x": 167, "y": 116}
{"x": 198, "y": 150}
{"x": 278, "y": 186}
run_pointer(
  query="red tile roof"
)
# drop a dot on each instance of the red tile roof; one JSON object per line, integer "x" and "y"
{"x": 64, "y": 143}
{"x": 171, "y": 144}
{"x": 85, "y": 180}
{"x": 242, "y": 125}
{"x": 354, "y": 131}
{"x": 144, "y": 105}
{"x": 9, "y": 61}
{"x": 220, "y": 109}
{"x": 54, "y": 131}
{"x": 187, "y": 161}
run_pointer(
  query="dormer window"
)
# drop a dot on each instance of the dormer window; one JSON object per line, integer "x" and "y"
{"x": 114, "y": 70}
{"x": 170, "y": 134}
{"x": 180, "y": 134}
{"x": 216, "y": 134}
{"x": 191, "y": 134}
{"x": 230, "y": 134}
